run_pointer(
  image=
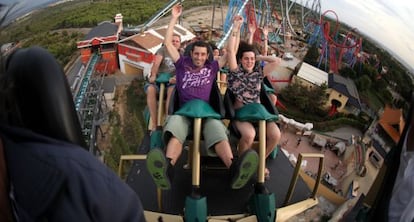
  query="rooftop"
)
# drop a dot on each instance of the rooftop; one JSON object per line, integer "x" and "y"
{"x": 312, "y": 74}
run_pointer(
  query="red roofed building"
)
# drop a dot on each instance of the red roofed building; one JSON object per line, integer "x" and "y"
{"x": 102, "y": 40}
{"x": 392, "y": 122}
{"x": 136, "y": 53}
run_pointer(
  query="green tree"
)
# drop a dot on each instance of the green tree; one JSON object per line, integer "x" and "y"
{"x": 370, "y": 71}
{"x": 363, "y": 83}
{"x": 312, "y": 56}
{"x": 307, "y": 100}
{"x": 348, "y": 72}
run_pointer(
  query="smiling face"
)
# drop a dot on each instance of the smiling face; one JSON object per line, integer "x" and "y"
{"x": 248, "y": 61}
{"x": 216, "y": 52}
{"x": 176, "y": 41}
{"x": 199, "y": 55}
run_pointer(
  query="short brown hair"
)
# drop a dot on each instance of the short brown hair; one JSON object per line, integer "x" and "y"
{"x": 179, "y": 36}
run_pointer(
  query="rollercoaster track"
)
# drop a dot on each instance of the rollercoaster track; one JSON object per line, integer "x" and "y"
{"x": 80, "y": 94}
{"x": 89, "y": 102}
{"x": 327, "y": 31}
{"x": 332, "y": 49}
{"x": 237, "y": 9}
{"x": 311, "y": 11}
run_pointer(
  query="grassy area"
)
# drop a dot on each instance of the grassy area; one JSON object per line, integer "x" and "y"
{"x": 127, "y": 125}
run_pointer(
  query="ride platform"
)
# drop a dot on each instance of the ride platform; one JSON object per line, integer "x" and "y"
{"x": 215, "y": 186}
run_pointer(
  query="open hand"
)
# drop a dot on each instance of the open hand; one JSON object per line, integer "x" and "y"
{"x": 152, "y": 78}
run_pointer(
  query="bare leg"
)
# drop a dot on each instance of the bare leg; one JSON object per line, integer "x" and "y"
{"x": 152, "y": 104}
{"x": 174, "y": 149}
{"x": 273, "y": 98}
{"x": 272, "y": 137}
{"x": 223, "y": 150}
{"x": 248, "y": 133}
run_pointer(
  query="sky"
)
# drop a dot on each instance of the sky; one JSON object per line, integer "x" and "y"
{"x": 391, "y": 23}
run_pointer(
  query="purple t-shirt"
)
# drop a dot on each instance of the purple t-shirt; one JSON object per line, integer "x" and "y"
{"x": 193, "y": 82}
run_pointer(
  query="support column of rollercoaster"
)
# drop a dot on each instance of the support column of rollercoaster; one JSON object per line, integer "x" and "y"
{"x": 88, "y": 104}
{"x": 333, "y": 45}
{"x": 285, "y": 26}
{"x": 310, "y": 10}
{"x": 92, "y": 112}
{"x": 259, "y": 16}
{"x": 228, "y": 25}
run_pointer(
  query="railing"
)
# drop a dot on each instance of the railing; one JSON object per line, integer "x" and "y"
{"x": 159, "y": 14}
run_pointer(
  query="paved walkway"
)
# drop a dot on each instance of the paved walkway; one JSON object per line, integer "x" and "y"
{"x": 336, "y": 166}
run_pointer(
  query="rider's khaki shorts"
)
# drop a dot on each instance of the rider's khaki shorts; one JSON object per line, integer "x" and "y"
{"x": 213, "y": 131}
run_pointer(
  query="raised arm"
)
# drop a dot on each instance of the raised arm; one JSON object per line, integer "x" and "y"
{"x": 264, "y": 57}
{"x": 272, "y": 63}
{"x": 252, "y": 30}
{"x": 172, "y": 50}
{"x": 265, "y": 31}
{"x": 233, "y": 43}
{"x": 223, "y": 60}
{"x": 268, "y": 59}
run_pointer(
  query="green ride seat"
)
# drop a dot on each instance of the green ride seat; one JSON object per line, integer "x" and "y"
{"x": 163, "y": 77}
{"x": 251, "y": 112}
{"x": 225, "y": 70}
{"x": 268, "y": 86}
{"x": 254, "y": 112}
{"x": 198, "y": 109}
{"x": 269, "y": 89}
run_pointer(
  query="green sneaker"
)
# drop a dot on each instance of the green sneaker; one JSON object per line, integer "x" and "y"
{"x": 157, "y": 166}
{"x": 243, "y": 169}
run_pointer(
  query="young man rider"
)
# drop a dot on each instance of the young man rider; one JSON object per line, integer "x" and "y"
{"x": 195, "y": 76}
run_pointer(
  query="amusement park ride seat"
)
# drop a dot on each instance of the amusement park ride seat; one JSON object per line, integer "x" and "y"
{"x": 264, "y": 99}
{"x": 216, "y": 103}
{"x": 262, "y": 202}
{"x": 43, "y": 97}
{"x": 195, "y": 204}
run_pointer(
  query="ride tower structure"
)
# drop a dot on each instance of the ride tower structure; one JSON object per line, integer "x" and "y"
{"x": 295, "y": 17}
{"x": 335, "y": 47}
